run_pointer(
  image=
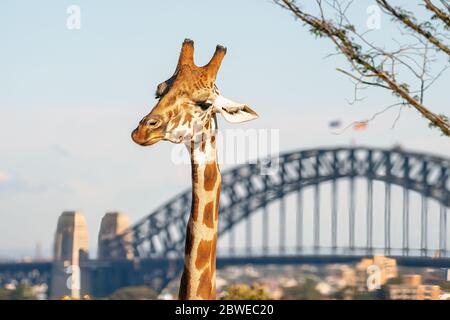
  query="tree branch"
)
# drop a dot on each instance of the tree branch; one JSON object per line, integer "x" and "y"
{"x": 376, "y": 84}
{"x": 405, "y": 19}
{"x": 438, "y": 12}
{"x": 364, "y": 62}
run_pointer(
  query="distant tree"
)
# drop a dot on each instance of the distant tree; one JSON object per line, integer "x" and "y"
{"x": 445, "y": 285}
{"x": 407, "y": 63}
{"x": 383, "y": 293}
{"x": 344, "y": 293}
{"x": 351, "y": 293}
{"x": 365, "y": 295}
{"x": 397, "y": 280}
{"x": 304, "y": 291}
{"x": 134, "y": 293}
{"x": 246, "y": 292}
{"x": 21, "y": 292}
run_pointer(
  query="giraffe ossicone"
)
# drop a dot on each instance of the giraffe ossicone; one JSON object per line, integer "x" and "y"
{"x": 186, "y": 113}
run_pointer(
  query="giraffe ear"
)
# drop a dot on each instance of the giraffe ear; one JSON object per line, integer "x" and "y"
{"x": 232, "y": 111}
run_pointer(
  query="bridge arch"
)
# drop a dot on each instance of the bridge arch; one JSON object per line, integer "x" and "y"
{"x": 246, "y": 190}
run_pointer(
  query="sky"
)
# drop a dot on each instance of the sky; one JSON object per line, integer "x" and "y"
{"x": 69, "y": 100}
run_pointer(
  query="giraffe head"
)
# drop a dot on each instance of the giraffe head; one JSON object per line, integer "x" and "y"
{"x": 188, "y": 101}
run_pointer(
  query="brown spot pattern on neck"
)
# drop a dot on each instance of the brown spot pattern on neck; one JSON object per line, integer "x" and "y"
{"x": 210, "y": 176}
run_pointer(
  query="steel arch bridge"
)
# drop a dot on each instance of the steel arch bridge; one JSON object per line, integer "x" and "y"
{"x": 246, "y": 190}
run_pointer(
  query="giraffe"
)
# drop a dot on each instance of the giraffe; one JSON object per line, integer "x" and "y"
{"x": 186, "y": 113}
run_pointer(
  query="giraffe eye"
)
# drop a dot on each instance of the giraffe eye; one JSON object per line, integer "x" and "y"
{"x": 204, "y": 105}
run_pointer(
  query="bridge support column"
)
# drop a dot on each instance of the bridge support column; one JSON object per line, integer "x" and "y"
{"x": 70, "y": 251}
{"x": 369, "y": 219}
{"x": 265, "y": 235}
{"x": 299, "y": 218}
{"x": 387, "y": 204}
{"x": 248, "y": 235}
{"x": 351, "y": 220}
{"x": 334, "y": 220}
{"x": 406, "y": 221}
{"x": 443, "y": 230}
{"x": 299, "y": 232}
{"x": 316, "y": 217}
{"x": 282, "y": 225}
{"x": 424, "y": 226}
{"x": 112, "y": 225}
{"x": 387, "y": 218}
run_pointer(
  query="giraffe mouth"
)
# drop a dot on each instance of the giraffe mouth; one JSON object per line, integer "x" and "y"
{"x": 145, "y": 140}
{"x": 151, "y": 141}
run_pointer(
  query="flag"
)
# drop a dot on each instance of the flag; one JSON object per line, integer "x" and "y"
{"x": 362, "y": 125}
{"x": 334, "y": 124}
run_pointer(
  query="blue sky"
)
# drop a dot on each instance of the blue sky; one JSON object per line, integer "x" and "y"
{"x": 70, "y": 98}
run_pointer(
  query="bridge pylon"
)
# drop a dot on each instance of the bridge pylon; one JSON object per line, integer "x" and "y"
{"x": 70, "y": 251}
{"x": 114, "y": 224}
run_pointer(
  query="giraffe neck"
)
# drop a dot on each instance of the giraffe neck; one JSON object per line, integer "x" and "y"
{"x": 199, "y": 275}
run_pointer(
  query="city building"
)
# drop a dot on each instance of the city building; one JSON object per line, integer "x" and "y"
{"x": 412, "y": 288}
{"x": 371, "y": 274}
{"x": 340, "y": 276}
